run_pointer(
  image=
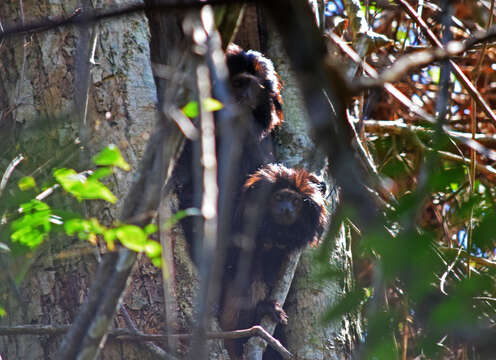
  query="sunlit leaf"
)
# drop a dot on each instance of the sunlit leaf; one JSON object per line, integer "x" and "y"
{"x": 151, "y": 229}
{"x": 435, "y": 73}
{"x": 157, "y": 262}
{"x": 26, "y": 183}
{"x": 101, "y": 172}
{"x": 153, "y": 249}
{"x": 81, "y": 187}
{"x": 2, "y": 311}
{"x": 211, "y": 104}
{"x": 191, "y": 109}
{"x": 454, "y": 186}
{"x": 91, "y": 226}
{"x": 34, "y": 223}
{"x": 132, "y": 237}
{"x": 111, "y": 155}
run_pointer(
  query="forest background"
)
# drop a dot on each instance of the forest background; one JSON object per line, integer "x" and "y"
{"x": 392, "y": 101}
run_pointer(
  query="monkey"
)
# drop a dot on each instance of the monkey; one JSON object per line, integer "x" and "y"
{"x": 280, "y": 211}
{"x": 256, "y": 89}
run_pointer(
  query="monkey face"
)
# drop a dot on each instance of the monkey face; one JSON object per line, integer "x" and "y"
{"x": 285, "y": 206}
{"x": 247, "y": 89}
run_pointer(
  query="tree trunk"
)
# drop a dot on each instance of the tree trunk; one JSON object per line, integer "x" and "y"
{"x": 44, "y": 81}
{"x": 305, "y": 335}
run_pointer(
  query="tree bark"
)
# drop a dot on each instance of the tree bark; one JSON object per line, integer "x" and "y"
{"x": 49, "y": 101}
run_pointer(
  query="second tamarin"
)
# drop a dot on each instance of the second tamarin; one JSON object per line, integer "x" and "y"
{"x": 280, "y": 210}
{"x": 256, "y": 88}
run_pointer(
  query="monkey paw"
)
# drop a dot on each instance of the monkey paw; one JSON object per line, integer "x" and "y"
{"x": 279, "y": 314}
{"x": 274, "y": 310}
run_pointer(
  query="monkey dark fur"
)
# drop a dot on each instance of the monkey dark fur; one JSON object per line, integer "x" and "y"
{"x": 256, "y": 88}
{"x": 280, "y": 210}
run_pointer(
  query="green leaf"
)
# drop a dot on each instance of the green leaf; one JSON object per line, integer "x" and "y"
{"x": 180, "y": 215}
{"x": 31, "y": 228}
{"x": 132, "y": 237}
{"x": 435, "y": 73}
{"x": 111, "y": 155}
{"x": 81, "y": 187}
{"x": 191, "y": 109}
{"x": 101, "y": 172}
{"x": 157, "y": 262}
{"x": 153, "y": 249}
{"x": 109, "y": 237}
{"x": 2, "y": 311}
{"x": 212, "y": 105}
{"x": 26, "y": 183}
{"x": 401, "y": 35}
{"x": 151, "y": 229}
{"x": 91, "y": 226}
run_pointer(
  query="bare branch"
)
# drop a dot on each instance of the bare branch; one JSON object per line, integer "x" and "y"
{"x": 128, "y": 335}
{"x": 8, "y": 172}
{"x": 464, "y": 80}
{"x": 255, "y": 347}
{"x": 399, "y": 127}
{"x": 419, "y": 59}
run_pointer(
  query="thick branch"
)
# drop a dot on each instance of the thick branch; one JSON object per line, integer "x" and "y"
{"x": 255, "y": 347}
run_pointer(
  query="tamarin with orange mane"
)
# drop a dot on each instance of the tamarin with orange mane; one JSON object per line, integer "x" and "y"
{"x": 280, "y": 210}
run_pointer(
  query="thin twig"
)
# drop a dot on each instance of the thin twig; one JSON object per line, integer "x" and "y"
{"x": 478, "y": 260}
{"x": 8, "y": 172}
{"x": 128, "y": 335}
{"x": 399, "y": 127}
{"x": 466, "y": 83}
{"x": 406, "y": 63}
{"x": 370, "y": 71}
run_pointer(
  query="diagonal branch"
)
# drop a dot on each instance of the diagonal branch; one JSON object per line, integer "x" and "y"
{"x": 464, "y": 80}
{"x": 419, "y": 59}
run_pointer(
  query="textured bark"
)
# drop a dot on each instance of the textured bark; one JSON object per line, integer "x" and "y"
{"x": 39, "y": 82}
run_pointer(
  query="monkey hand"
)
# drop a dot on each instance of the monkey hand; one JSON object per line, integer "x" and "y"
{"x": 273, "y": 309}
